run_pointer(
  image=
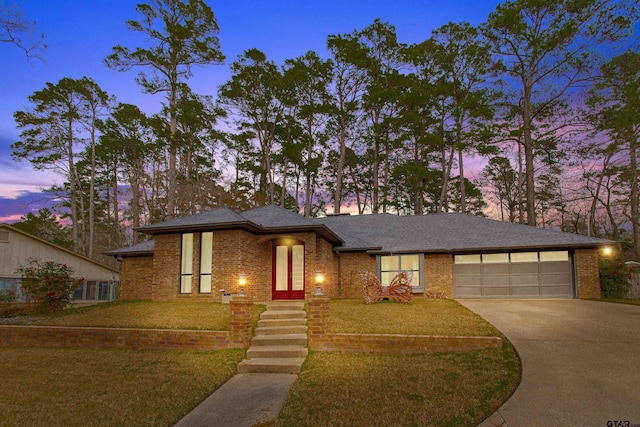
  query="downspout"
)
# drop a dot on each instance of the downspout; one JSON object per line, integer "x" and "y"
{"x": 574, "y": 274}
{"x": 339, "y": 274}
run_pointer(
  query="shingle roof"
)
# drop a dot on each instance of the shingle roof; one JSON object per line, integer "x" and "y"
{"x": 140, "y": 249}
{"x": 382, "y": 233}
{"x": 447, "y": 232}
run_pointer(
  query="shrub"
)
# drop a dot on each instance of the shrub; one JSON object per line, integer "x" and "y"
{"x": 614, "y": 278}
{"x": 50, "y": 284}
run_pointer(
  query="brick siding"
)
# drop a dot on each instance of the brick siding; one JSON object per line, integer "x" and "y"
{"x": 320, "y": 339}
{"x": 588, "y": 273}
{"x": 438, "y": 274}
{"x": 136, "y": 277}
{"x": 351, "y": 264}
{"x": 135, "y": 338}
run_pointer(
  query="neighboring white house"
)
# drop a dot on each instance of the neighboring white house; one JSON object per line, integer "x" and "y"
{"x": 17, "y": 247}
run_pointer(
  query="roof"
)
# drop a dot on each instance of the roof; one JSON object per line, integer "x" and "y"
{"x": 447, "y": 233}
{"x": 381, "y": 233}
{"x": 59, "y": 248}
{"x": 140, "y": 249}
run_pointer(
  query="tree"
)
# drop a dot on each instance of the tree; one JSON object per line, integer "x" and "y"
{"x": 547, "y": 49}
{"x": 45, "y": 225}
{"x": 182, "y": 35}
{"x": 309, "y": 77}
{"x": 347, "y": 92}
{"x": 16, "y": 30}
{"x": 125, "y": 146}
{"x": 466, "y": 64}
{"x": 616, "y": 99}
{"x": 53, "y": 130}
{"x": 253, "y": 94}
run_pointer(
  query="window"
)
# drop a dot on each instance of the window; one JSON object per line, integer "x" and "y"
{"x": 391, "y": 265}
{"x": 4, "y": 236}
{"x": 186, "y": 265}
{"x": 554, "y": 256}
{"x": 467, "y": 259}
{"x": 495, "y": 258}
{"x": 524, "y": 257}
{"x": 206, "y": 256}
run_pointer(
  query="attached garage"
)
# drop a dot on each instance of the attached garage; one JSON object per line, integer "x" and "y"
{"x": 544, "y": 274}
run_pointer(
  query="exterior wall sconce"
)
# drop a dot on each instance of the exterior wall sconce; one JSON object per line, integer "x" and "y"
{"x": 319, "y": 280}
{"x": 242, "y": 282}
{"x": 607, "y": 251}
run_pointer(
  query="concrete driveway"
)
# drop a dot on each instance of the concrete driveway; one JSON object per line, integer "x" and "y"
{"x": 580, "y": 361}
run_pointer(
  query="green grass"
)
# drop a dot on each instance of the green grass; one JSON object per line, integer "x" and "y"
{"x": 85, "y": 387}
{"x": 422, "y": 316}
{"x": 435, "y": 389}
{"x": 145, "y": 314}
{"x": 119, "y": 387}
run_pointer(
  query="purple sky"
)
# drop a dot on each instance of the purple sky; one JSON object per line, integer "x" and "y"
{"x": 80, "y": 34}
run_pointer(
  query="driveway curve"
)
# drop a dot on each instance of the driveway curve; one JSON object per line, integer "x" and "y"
{"x": 580, "y": 361}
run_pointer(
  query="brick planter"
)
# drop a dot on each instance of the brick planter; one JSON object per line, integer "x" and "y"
{"x": 320, "y": 339}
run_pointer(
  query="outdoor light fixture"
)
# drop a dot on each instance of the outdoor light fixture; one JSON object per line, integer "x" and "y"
{"x": 319, "y": 280}
{"x": 242, "y": 282}
{"x": 607, "y": 251}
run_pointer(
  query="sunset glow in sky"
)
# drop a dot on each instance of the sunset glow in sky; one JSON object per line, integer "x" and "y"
{"x": 80, "y": 34}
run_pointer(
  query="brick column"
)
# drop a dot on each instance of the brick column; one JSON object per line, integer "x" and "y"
{"x": 317, "y": 320}
{"x": 588, "y": 273}
{"x": 241, "y": 316}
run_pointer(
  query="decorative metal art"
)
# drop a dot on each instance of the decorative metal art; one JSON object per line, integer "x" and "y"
{"x": 398, "y": 290}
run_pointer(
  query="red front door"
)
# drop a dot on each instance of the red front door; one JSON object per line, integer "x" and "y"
{"x": 288, "y": 270}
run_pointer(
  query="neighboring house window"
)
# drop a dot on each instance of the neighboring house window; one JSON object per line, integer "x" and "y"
{"x": 391, "y": 265}
{"x": 4, "y": 236}
{"x": 206, "y": 256}
{"x": 186, "y": 265}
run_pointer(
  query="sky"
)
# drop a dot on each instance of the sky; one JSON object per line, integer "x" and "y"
{"x": 80, "y": 34}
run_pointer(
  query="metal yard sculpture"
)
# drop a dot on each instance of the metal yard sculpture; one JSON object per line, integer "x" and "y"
{"x": 398, "y": 290}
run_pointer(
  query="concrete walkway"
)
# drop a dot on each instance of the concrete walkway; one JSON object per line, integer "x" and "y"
{"x": 245, "y": 400}
{"x": 580, "y": 361}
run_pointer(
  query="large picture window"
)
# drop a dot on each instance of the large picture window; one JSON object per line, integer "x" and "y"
{"x": 391, "y": 265}
{"x": 186, "y": 264}
{"x": 206, "y": 256}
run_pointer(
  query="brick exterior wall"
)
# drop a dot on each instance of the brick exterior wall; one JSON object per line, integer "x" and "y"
{"x": 136, "y": 277}
{"x": 351, "y": 264}
{"x": 438, "y": 274}
{"x": 166, "y": 267}
{"x": 587, "y": 273}
{"x": 114, "y": 338}
{"x": 137, "y": 339}
{"x": 320, "y": 339}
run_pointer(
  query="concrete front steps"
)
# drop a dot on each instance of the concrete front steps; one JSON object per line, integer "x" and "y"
{"x": 280, "y": 342}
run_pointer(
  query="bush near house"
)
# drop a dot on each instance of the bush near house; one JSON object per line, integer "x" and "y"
{"x": 614, "y": 278}
{"x": 49, "y": 283}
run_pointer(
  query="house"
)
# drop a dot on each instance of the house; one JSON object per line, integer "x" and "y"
{"x": 270, "y": 253}
{"x": 17, "y": 247}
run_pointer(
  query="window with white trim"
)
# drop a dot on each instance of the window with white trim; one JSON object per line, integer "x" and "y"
{"x": 186, "y": 264}
{"x": 206, "y": 256}
{"x": 390, "y": 266}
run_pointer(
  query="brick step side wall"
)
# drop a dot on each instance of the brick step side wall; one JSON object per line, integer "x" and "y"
{"x": 115, "y": 338}
{"x": 400, "y": 344}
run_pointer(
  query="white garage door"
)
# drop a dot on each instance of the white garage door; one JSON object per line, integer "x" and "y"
{"x": 516, "y": 275}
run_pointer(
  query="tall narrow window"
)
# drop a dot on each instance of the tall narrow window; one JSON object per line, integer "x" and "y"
{"x": 186, "y": 266}
{"x": 206, "y": 256}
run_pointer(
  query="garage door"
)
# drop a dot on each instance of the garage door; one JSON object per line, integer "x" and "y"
{"x": 517, "y": 275}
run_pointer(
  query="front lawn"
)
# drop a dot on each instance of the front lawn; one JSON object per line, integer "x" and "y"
{"x": 88, "y": 387}
{"x": 435, "y": 389}
{"x": 144, "y": 314}
{"x": 422, "y": 316}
